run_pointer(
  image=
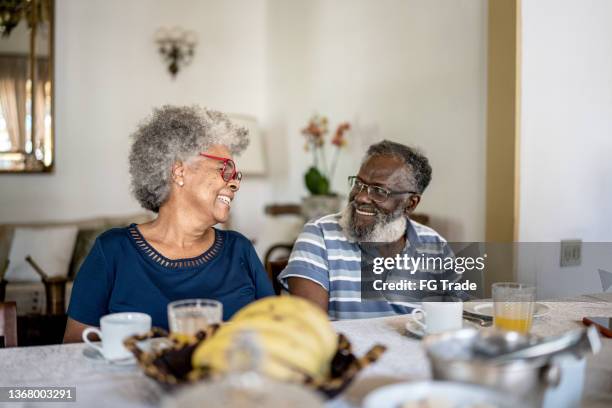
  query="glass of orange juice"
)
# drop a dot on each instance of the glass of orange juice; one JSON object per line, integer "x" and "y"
{"x": 513, "y": 305}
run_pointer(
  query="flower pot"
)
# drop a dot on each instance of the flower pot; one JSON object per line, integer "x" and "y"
{"x": 316, "y": 206}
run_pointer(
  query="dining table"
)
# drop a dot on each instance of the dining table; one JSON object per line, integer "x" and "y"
{"x": 101, "y": 384}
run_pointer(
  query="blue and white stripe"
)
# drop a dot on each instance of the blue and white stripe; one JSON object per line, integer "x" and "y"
{"x": 323, "y": 254}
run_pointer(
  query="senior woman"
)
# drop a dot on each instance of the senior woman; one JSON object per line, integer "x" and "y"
{"x": 181, "y": 167}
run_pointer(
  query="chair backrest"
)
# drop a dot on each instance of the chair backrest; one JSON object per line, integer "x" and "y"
{"x": 8, "y": 323}
{"x": 274, "y": 268}
{"x": 271, "y": 253}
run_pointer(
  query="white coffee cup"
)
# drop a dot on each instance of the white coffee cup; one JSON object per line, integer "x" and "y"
{"x": 439, "y": 316}
{"x": 114, "y": 328}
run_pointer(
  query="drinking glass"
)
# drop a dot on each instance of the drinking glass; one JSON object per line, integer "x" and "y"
{"x": 513, "y": 305}
{"x": 190, "y": 316}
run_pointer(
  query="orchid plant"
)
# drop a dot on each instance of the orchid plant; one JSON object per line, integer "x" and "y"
{"x": 319, "y": 175}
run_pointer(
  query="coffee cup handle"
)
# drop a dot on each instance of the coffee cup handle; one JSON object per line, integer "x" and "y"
{"x": 86, "y": 334}
{"x": 414, "y": 313}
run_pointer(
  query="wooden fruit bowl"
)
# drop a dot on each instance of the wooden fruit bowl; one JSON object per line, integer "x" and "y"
{"x": 170, "y": 365}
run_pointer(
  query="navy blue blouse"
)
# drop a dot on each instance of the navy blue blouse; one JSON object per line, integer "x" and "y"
{"x": 123, "y": 273}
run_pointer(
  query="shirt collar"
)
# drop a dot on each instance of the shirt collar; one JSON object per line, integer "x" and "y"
{"x": 412, "y": 238}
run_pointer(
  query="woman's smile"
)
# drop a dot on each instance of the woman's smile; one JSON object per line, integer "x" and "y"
{"x": 227, "y": 200}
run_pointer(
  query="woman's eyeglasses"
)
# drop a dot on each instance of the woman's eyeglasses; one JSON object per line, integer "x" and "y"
{"x": 376, "y": 193}
{"x": 228, "y": 172}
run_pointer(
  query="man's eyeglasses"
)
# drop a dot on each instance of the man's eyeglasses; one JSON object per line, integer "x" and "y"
{"x": 228, "y": 172}
{"x": 376, "y": 193}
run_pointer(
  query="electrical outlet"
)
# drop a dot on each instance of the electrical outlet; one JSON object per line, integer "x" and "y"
{"x": 571, "y": 252}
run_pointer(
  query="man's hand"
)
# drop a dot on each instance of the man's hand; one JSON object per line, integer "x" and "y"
{"x": 309, "y": 290}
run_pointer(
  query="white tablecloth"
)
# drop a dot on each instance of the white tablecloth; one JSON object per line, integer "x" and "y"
{"x": 99, "y": 384}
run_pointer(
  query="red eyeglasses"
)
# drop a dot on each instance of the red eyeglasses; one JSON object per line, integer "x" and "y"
{"x": 228, "y": 172}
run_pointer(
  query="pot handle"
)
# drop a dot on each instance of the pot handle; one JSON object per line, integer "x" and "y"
{"x": 550, "y": 374}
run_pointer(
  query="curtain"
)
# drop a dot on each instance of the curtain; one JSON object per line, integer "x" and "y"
{"x": 40, "y": 102}
{"x": 13, "y": 77}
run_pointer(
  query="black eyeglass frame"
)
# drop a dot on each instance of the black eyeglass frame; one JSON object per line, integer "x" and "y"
{"x": 353, "y": 180}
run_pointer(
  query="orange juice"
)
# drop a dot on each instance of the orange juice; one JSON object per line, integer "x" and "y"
{"x": 513, "y": 306}
{"x": 511, "y": 324}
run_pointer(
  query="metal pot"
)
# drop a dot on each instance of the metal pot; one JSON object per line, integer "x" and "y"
{"x": 453, "y": 357}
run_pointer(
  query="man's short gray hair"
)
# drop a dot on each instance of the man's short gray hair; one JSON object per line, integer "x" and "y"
{"x": 415, "y": 160}
{"x": 171, "y": 134}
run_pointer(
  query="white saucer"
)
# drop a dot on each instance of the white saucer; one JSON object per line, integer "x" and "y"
{"x": 92, "y": 354}
{"x": 245, "y": 390}
{"x": 416, "y": 330}
{"x": 441, "y": 392}
{"x": 485, "y": 308}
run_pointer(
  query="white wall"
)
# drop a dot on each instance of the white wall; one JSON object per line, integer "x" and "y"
{"x": 566, "y": 134}
{"x": 410, "y": 71}
{"x": 109, "y": 76}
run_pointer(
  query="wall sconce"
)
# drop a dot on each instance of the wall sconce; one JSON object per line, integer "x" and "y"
{"x": 176, "y": 47}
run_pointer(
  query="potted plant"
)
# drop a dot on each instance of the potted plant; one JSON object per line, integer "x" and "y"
{"x": 318, "y": 177}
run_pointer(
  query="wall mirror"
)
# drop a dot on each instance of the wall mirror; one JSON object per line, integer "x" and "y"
{"x": 26, "y": 86}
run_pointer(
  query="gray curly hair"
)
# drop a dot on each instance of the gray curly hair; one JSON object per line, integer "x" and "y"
{"x": 415, "y": 160}
{"x": 171, "y": 134}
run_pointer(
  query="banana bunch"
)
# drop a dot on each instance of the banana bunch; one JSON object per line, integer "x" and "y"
{"x": 293, "y": 337}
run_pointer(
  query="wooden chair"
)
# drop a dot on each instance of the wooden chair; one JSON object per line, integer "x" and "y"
{"x": 272, "y": 252}
{"x": 277, "y": 256}
{"x": 274, "y": 268}
{"x": 275, "y": 264}
{"x": 8, "y": 323}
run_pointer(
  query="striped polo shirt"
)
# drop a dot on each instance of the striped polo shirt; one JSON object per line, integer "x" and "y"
{"x": 325, "y": 255}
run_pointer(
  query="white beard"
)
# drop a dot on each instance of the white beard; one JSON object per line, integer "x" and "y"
{"x": 382, "y": 232}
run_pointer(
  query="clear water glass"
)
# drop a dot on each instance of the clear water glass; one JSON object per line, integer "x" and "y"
{"x": 190, "y": 316}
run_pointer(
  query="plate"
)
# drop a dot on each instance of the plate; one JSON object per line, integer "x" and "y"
{"x": 146, "y": 345}
{"x": 92, "y": 354}
{"x": 438, "y": 394}
{"x": 485, "y": 308}
{"x": 416, "y": 330}
{"x": 243, "y": 391}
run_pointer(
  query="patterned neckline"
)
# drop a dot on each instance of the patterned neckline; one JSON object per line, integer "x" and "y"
{"x": 158, "y": 258}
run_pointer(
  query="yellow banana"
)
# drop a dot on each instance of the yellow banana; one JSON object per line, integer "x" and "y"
{"x": 218, "y": 362}
{"x": 294, "y": 337}
{"x": 277, "y": 348}
{"x": 302, "y": 310}
{"x": 285, "y": 330}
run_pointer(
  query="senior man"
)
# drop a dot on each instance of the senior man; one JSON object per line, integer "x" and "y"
{"x": 325, "y": 264}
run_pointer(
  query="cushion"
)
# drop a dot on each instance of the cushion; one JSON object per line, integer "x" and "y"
{"x": 89, "y": 232}
{"x": 51, "y": 248}
{"x": 84, "y": 242}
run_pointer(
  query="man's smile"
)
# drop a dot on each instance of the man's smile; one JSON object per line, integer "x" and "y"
{"x": 367, "y": 213}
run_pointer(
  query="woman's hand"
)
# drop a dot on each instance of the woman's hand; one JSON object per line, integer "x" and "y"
{"x": 74, "y": 331}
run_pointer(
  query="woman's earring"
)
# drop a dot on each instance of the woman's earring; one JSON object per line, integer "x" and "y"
{"x": 180, "y": 183}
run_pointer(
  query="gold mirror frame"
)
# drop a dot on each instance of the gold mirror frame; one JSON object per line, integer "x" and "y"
{"x": 37, "y": 152}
